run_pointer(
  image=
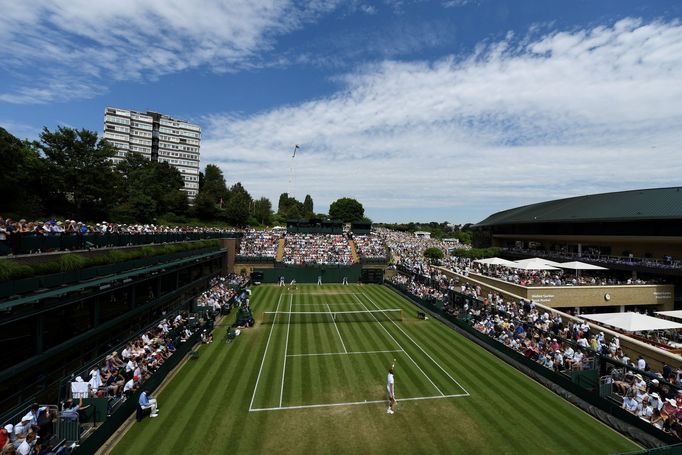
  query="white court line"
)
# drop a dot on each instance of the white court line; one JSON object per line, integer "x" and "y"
{"x": 286, "y": 347}
{"x": 396, "y": 342}
{"x": 264, "y": 353}
{"x": 344, "y": 353}
{"x": 333, "y": 303}
{"x": 337, "y": 329}
{"x": 420, "y": 348}
{"x": 352, "y": 403}
{"x": 328, "y": 293}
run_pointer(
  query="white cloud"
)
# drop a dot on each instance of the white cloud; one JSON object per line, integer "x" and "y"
{"x": 63, "y": 50}
{"x": 519, "y": 121}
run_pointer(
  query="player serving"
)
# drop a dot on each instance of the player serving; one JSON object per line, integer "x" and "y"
{"x": 390, "y": 386}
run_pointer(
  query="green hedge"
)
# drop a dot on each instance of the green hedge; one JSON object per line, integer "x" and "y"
{"x": 71, "y": 262}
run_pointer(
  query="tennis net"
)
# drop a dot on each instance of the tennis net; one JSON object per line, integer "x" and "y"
{"x": 297, "y": 317}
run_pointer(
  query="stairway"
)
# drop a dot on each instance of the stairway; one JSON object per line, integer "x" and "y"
{"x": 353, "y": 252}
{"x": 280, "y": 251}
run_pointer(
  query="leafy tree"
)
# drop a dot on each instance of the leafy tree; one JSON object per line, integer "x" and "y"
{"x": 289, "y": 208}
{"x": 262, "y": 211}
{"x": 80, "y": 171}
{"x": 434, "y": 254}
{"x": 205, "y": 206}
{"x": 308, "y": 207}
{"x": 149, "y": 189}
{"x": 214, "y": 184}
{"x": 238, "y": 207}
{"x": 346, "y": 210}
{"x": 23, "y": 173}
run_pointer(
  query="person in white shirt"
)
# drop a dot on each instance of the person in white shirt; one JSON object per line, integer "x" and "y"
{"x": 390, "y": 387}
{"x": 641, "y": 363}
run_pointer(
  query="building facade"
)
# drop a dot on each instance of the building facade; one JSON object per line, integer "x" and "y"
{"x": 157, "y": 137}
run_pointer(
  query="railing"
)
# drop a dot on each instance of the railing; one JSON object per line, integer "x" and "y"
{"x": 599, "y": 258}
{"x": 33, "y": 243}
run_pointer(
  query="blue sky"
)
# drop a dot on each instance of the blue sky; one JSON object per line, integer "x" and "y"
{"x": 422, "y": 110}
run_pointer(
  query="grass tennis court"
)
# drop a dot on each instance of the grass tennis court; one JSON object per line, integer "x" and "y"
{"x": 313, "y": 379}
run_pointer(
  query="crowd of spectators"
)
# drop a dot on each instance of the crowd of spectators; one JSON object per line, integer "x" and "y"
{"x": 407, "y": 250}
{"x": 32, "y": 434}
{"x": 121, "y": 374}
{"x": 9, "y": 227}
{"x": 260, "y": 243}
{"x": 221, "y": 291}
{"x": 549, "y": 277}
{"x": 370, "y": 246}
{"x": 563, "y": 344}
{"x": 301, "y": 249}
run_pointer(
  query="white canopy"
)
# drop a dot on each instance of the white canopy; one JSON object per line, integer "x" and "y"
{"x": 533, "y": 260}
{"x": 533, "y": 264}
{"x": 632, "y": 322}
{"x": 496, "y": 261}
{"x": 676, "y": 314}
{"x": 577, "y": 265}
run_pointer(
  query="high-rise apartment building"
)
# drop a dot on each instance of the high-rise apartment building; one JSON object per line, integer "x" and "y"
{"x": 157, "y": 137}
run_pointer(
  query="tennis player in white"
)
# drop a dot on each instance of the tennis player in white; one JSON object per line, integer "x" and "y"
{"x": 390, "y": 387}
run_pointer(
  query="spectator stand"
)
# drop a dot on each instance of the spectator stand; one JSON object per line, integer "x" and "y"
{"x": 100, "y": 405}
{"x": 566, "y": 385}
{"x": 128, "y": 407}
{"x": 49, "y": 429}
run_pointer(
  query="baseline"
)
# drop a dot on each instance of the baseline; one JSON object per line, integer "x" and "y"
{"x": 354, "y": 403}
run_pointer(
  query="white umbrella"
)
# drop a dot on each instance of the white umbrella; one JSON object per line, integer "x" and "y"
{"x": 533, "y": 265}
{"x": 535, "y": 260}
{"x": 632, "y": 322}
{"x": 496, "y": 261}
{"x": 577, "y": 265}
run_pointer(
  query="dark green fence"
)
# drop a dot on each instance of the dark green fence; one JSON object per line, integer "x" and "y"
{"x": 32, "y": 243}
{"x": 309, "y": 274}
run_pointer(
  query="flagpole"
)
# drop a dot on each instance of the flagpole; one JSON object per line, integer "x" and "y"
{"x": 291, "y": 169}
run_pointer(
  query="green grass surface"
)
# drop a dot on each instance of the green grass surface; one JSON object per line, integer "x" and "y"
{"x": 302, "y": 387}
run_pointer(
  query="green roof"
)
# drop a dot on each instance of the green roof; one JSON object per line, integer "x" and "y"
{"x": 633, "y": 205}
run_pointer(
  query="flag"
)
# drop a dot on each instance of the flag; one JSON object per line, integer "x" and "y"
{"x": 295, "y": 148}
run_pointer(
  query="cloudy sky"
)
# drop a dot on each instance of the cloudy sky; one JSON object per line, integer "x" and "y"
{"x": 422, "y": 110}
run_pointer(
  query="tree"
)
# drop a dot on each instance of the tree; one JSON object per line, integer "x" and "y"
{"x": 214, "y": 184}
{"x": 308, "y": 207}
{"x": 23, "y": 173}
{"x": 148, "y": 189}
{"x": 433, "y": 253}
{"x": 346, "y": 210}
{"x": 289, "y": 208}
{"x": 238, "y": 207}
{"x": 80, "y": 171}
{"x": 262, "y": 211}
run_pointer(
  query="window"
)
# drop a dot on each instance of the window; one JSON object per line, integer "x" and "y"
{"x": 111, "y": 118}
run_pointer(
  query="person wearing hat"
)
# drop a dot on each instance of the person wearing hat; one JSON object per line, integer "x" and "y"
{"x": 655, "y": 401}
